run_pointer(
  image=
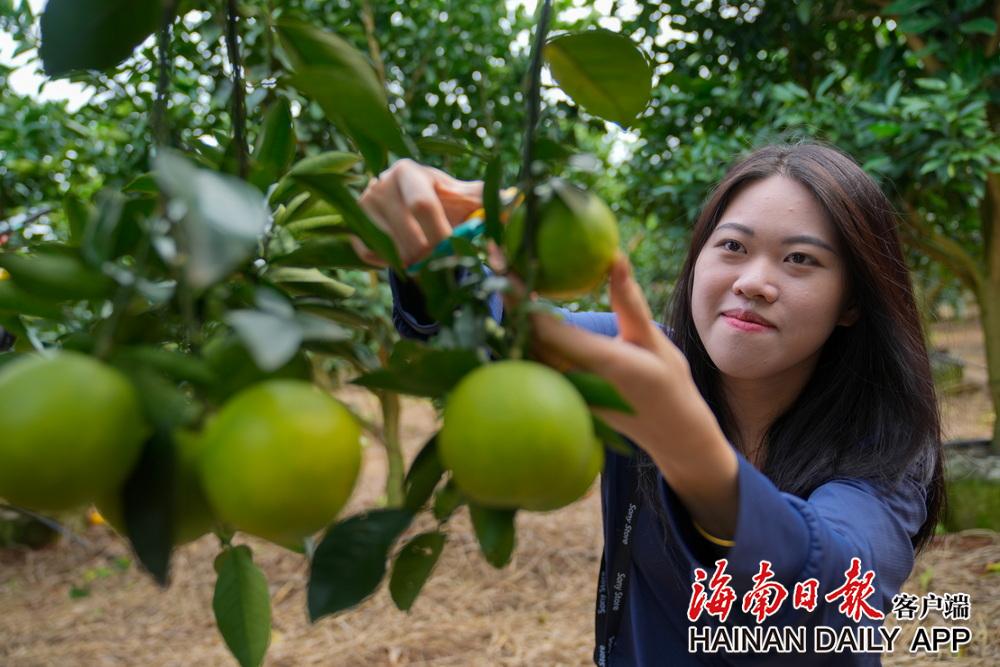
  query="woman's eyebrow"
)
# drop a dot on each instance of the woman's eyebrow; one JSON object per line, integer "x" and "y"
{"x": 799, "y": 238}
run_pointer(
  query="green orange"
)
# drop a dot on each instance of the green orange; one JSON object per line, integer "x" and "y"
{"x": 280, "y": 460}
{"x": 71, "y": 428}
{"x": 517, "y": 434}
{"x": 576, "y": 242}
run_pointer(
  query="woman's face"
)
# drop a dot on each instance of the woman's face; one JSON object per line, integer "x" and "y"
{"x": 775, "y": 254}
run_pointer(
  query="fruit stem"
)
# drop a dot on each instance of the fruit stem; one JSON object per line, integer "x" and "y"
{"x": 393, "y": 448}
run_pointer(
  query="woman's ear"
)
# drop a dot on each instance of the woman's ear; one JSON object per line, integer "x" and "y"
{"x": 850, "y": 315}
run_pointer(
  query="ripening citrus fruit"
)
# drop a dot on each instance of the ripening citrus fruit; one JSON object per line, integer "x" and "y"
{"x": 192, "y": 517}
{"x": 518, "y": 434}
{"x": 280, "y": 460}
{"x": 576, "y": 242}
{"x": 71, "y": 429}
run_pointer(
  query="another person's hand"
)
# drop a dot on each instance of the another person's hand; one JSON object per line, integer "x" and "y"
{"x": 417, "y": 206}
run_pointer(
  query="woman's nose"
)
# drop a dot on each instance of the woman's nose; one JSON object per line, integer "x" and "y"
{"x": 754, "y": 282}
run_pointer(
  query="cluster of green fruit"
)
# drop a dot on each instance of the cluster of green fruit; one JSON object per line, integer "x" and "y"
{"x": 279, "y": 460}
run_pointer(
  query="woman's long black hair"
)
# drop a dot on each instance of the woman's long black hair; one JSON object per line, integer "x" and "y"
{"x": 869, "y": 410}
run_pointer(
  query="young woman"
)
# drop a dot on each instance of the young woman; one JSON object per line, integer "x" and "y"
{"x": 788, "y": 431}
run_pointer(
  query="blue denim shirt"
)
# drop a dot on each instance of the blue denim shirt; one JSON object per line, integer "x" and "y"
{"x": 802, "y": 538}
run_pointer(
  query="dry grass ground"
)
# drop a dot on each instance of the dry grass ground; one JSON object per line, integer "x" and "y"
{"x": 537, "y": 611}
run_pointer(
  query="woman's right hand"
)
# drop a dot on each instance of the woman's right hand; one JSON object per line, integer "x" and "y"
{"x": 418, "y": 207}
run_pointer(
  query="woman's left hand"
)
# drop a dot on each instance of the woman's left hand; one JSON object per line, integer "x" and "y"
{"x": 646, "y": 368}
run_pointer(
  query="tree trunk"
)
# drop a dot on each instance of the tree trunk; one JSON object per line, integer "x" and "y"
{"x": 989, "y": 306}
{"x": 989, "y": 296}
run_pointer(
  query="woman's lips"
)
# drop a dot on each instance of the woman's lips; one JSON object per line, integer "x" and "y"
{"x": 743, "y": 325}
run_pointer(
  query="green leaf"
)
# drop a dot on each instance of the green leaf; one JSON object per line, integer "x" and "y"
{"x": 446, "y": 501}
{"x": 803, "y": 10}
{"x": 936, "y": 85}
{"x": 419, "y": 370}
{"x": 332, "y": 162}
{"x": 598, "y": 392}
{"x": 549, "y": 149}
{"x": 56, "y": 272}
{"x": 336, "y": 312}
{"x": 235, "y": 368}
{"x": 885, "y": 130}
{"x": 223, "y": 217}
{"x": 328, "y": 224}
{"x": 147, "y": 506}
{"x": 164, "y": 403}
{"x": 143, "y": 184}
{"x": 271, "y": 340}
{"x": 16, "y": 301}
{"x": 932, "y": 165}
{"x": 332, "y": 189}
{"x": 242, "y": 605}
{"x": 350, "y": 562}
{"x": 495, "y": 532}
{"x": 413, "y": 567}
{"x": 309, "y": 281}
{"x": 321, "y": 329}
{"x": 342, "y": 81}
{"x": 901, "y": 7}
{"x": 982, "y": 26}
{"x": 327, "y": 253}
{"x": 893, "y": 93}
{"x": 446, "y": 146}
{"x": 424, "y": 474}
{"x": 610, "y": 437}
{"x": 968, "y": 5}
{"x": 77, "y": 213}
{"x": 275, "y": 146}
{"x": 94, "y": 34}
{"x": 916, "y": 25}
{"x": 101, "y": 233}
{"x": 789, "y": 92}
{"x": 176, "y": 365}
{"x": 604, "y": 72}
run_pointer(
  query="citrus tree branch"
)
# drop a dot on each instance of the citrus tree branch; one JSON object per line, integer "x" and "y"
{"x": 239, "y": 111}
{"x": 941, "y": 248}
{"x": 527, "y": 175}
{"x": 991, "y": 224}
{"x": 368, "y": 20}
{"x": 161, "y": 133}
{"x": 991, "y": 47}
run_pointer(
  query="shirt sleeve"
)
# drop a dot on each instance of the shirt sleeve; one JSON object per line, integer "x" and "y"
{"x": 409, "y": 308}
{"x": 6, "y": 340}
{"x": 411, "y": 319}
{"x": 813, "y": 538}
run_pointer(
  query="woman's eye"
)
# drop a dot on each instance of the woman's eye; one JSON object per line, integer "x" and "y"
{"x": 729, "y": 244}
{"x": 806, "y": 259}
